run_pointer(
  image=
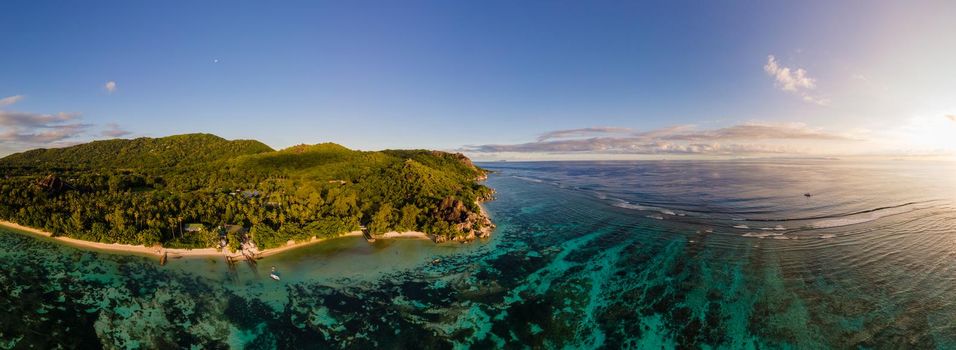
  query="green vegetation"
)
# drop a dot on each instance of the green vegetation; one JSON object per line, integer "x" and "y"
{"x": 147, "y": 190}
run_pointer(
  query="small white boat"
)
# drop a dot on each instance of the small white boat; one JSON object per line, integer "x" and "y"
{"x": 273, "y": 274}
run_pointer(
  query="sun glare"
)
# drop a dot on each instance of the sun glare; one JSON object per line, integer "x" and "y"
{"x": 934, "y": 135}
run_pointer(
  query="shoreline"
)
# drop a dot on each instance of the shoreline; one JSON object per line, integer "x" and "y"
{"x": 158, "y": 251}
{"x": 79, "y": 243}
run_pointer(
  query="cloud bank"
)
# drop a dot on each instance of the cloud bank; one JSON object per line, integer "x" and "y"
{"x": 795, "y": 81}
{"x": 36, "y": 128}
{"x": 753, "y": 138}
{"x": 563, "y": 134}
{"x": 25, "y": 130}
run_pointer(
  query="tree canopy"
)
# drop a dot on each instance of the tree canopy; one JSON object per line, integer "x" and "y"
{"x": 146, "y": 190}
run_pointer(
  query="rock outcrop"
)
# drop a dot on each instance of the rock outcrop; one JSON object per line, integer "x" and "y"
{"x": 470, "y": 223}
{"x": 53, "y": 185}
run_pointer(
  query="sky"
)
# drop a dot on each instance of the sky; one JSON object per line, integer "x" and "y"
{"x": 492, "y": 79}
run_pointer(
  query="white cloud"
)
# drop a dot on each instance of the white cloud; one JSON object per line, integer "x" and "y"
{"x": 52, "y": 133}
{"x": 796, "y": 81}
{"x": 816, "y": 100}
{"x": 951, "y": 117}
{"x": 110, "y": 86}
{"x": 13, "y": 119}
{"x": 787, "y": 79}
{"x": 6, "y": 101}
{"x": 113, "y": 130}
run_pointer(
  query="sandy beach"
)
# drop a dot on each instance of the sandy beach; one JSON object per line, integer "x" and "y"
{"x": 113, "y": 247}
{"x": 408, "y": 234}
{"x": 158, "y": 251}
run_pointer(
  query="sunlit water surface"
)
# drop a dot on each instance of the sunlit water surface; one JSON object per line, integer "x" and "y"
{"x": 727, "y": 254}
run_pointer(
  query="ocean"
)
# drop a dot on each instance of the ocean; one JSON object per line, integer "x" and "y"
{"x": 642, "y": 254}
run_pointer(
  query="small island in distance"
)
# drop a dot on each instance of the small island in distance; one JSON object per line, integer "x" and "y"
{"x": 239, "y": 197}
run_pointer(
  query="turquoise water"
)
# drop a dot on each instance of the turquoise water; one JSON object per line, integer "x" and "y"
{"x": 726, "y": 254}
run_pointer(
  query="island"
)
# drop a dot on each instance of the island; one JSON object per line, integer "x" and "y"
{"x": 204, "y": 194}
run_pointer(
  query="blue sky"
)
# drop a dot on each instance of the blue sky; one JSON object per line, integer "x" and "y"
{"x": 695, "y": 76}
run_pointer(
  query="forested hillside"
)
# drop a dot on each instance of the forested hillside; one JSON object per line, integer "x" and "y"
{"x": 190, "y": 149}
{"x": 179, "y": 190}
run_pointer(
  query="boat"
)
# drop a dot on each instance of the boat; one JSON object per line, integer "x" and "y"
{"x": 274, "y": 275}
{"x": 807, "y": 195}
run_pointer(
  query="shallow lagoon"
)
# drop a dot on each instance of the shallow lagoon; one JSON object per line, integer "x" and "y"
{"x": 617, "y": 254}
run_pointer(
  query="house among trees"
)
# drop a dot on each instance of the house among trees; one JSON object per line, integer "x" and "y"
{"x": 231, "y": 232}
{"x": 194, "y": 228}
